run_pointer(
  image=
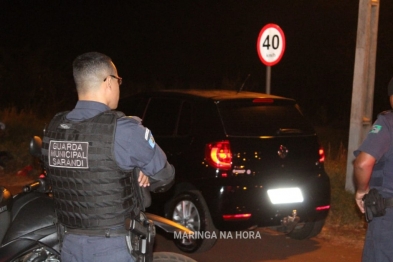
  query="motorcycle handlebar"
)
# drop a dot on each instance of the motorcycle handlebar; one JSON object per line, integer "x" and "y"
{"x": 37, "y": 185}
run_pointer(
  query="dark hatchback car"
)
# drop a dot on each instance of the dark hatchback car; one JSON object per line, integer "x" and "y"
{"x": 242, "y": 159}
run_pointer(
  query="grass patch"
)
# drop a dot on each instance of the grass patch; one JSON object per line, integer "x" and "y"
{"x": 343, "y": 212}
{"x": 21, "y": 126}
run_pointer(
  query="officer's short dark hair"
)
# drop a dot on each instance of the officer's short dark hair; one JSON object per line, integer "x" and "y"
{"x": 91, "y": 67}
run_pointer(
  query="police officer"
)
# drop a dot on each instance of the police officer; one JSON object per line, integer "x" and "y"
{"x": 373, "y": 168}
{"x": 90, "y": 153}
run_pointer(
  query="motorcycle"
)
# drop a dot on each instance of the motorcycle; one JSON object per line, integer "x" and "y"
{"x": 28, "y": 231}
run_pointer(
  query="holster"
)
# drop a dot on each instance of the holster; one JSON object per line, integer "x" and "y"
{"x": 60, "y": 234}
{"x": 374, "y": 205}
{"x": 140, "y": 240}
{"x": 143, "y": 193}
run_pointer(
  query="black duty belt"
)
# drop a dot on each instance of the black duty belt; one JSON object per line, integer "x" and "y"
{"x": 107, "y": 232}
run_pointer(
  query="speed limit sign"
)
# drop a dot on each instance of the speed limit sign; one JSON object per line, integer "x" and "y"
{"x": 271, "y": 44}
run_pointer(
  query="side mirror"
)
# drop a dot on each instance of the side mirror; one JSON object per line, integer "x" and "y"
{"x": 35, "y": 146}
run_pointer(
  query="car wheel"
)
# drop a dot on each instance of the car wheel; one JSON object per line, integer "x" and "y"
{"x": 307, "y": 230}
{"x": 190, "y": 210}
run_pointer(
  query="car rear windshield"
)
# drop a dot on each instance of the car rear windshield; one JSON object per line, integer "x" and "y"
{"x": 256, "y": 118}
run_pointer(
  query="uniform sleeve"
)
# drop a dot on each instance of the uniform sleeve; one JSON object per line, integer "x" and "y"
{"x": 378, "y": 140}
{"x": 135, "y": 147}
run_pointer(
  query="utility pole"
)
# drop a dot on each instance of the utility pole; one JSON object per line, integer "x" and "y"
{"x": 363, "y": 82}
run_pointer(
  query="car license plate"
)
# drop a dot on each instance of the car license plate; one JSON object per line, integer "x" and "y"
{"x": 285, "y": 195}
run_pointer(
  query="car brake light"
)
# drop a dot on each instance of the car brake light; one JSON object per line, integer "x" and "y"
{"x": 263, "y": 100}
{"x": 219, "y": 155}
{"x": 321, "y": 155}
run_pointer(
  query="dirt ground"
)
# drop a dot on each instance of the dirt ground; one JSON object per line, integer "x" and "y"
{"x": 343, "y": 236}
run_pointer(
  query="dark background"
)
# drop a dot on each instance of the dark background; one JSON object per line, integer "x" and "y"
{"x": 189, "y": 44}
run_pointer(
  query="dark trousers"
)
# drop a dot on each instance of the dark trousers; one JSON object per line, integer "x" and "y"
{"x": 378, "y": 246}
{"x": 80, "y": 248}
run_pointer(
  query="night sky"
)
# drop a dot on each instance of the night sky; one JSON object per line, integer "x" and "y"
{"x": 190, "y": 44}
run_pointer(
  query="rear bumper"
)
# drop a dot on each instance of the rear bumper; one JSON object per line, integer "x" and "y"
{"x": 239, "y": 204}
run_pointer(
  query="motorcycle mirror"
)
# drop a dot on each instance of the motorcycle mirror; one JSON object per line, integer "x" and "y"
{"x": 35, "y": 146}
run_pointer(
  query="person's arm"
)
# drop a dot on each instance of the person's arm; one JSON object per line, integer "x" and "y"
{"x": 163, "y": 179}
{"x": 164, "y": 176}
{"x": 136, "y": 147}
{"x": 143, "y": 180}
{"x": 363, "y": 167}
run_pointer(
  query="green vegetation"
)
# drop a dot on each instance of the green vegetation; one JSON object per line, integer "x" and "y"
{"x": 344, "y": 211}
{"x": 21, "y": 126}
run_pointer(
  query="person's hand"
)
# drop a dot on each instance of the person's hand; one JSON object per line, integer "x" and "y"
{"x": 359, "y": 199}
{"x": 143, "y": 180}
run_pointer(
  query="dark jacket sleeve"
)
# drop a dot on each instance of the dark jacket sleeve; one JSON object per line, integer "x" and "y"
{"x": 163, "y": 179}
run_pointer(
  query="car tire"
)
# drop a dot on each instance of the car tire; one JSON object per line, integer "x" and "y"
{"x": 307, "y": 230}
{"x": 190, "y": 210}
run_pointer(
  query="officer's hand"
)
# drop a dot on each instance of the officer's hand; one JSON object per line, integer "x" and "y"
{"x": 359, "y": 200}
{"x": 143, "y": 180}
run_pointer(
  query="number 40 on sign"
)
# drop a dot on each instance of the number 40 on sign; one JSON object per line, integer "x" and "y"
{"x": 271, "y": 44}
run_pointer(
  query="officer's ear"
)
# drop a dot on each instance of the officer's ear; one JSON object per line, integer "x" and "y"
{"x": 391, "y": 100}
{"x": 108, "y": 81}
{"x": 108, "y": 85}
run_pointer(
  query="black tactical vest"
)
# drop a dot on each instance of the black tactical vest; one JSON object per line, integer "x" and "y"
{"x": 89, "y": 188}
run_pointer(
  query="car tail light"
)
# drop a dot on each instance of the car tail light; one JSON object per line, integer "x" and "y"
{"x": 219, "y": 155}
{"x": 236, "y": 217}
{"x": 327, "y": 207}
{"x": 321, "y": 155}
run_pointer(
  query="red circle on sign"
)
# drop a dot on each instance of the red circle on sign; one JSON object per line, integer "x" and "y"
{"x": 274, "y": 56}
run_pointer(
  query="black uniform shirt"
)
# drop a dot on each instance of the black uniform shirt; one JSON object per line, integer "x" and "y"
{"x": 378, "y": 144}
{"x": 134, "y": 144}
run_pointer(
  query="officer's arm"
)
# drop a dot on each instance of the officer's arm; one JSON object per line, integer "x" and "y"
{"x": 143, "y": 180}
{"x": 163, "y": 179}
{"x": 363, "y": 167}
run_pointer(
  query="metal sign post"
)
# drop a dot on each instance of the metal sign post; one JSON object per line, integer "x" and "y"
{"x": 270, "y": 48}
{"x": 268, "y": 77}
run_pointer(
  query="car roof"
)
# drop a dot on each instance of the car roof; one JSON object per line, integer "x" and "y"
{"x": 217, "y": 94}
